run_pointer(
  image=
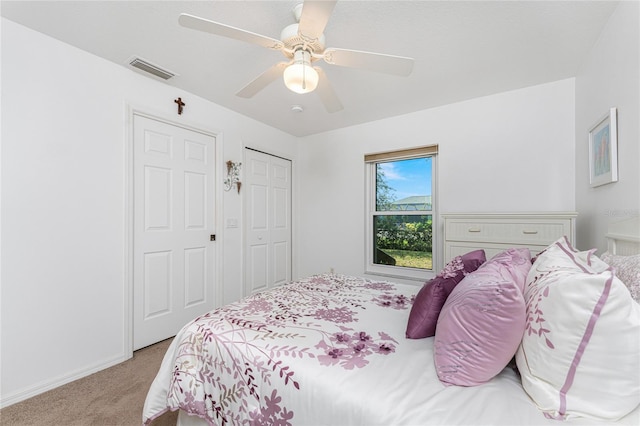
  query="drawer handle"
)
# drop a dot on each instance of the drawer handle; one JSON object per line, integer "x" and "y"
{"x": 474, "y": 229}
{"x": 529, "y": 232}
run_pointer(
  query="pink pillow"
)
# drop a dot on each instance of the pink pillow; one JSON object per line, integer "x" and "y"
{"x": 431, "y": 297}
{"x": 483, "y": 320}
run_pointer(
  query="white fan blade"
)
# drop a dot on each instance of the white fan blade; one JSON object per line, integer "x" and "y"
{"x": 326, "y": 93}
{"x": 263, "y": 80}
{"x": 217, "y": 28}
{"x": 314, "y": 18}
{"x": 397, "y": 65}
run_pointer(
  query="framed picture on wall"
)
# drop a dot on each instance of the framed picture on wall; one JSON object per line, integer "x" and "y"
{"x": 603, "y": 150}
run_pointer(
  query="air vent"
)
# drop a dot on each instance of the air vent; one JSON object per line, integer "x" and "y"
{"x": 147, "y": 66}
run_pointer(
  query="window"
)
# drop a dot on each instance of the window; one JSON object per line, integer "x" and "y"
{"x": 400, "y": 212}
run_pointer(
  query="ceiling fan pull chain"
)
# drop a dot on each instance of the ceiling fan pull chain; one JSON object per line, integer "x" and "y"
{"x": 304, "y": 78}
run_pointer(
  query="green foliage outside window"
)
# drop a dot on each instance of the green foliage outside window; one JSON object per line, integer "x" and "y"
{"x": 404, "y": 232}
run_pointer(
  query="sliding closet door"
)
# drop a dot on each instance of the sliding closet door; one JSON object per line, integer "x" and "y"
{"x": 173, "y": 255}
{"x": 267, "y": 221}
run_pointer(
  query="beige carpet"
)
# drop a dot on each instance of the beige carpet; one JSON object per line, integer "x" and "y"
{"x": 111, "y": 397}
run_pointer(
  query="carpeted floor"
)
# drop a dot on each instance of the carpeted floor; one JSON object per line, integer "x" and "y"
{"x": 111, "y": 397}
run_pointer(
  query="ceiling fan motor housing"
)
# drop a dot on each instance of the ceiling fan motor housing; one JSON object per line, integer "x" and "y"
{"x": 294, "y": 41}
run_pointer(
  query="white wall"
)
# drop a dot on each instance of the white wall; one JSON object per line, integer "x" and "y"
{"x": 509, "y": 152}
{"x": 610, "y": 77}
{"x": 63, "y": 204}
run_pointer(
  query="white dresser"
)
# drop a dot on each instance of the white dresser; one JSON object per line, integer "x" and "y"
{"x": 496, "y": 232}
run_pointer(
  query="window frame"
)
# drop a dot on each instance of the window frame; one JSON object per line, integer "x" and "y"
{"x": 371, "y": 161}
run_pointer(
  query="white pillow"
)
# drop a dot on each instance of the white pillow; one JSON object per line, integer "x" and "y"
{"x": 580, "y": 353}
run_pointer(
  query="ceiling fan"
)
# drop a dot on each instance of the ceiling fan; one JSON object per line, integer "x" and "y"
{"x": 302, "y": 44}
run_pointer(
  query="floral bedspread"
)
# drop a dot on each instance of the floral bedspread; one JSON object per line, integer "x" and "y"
{"x": 273, "y": 358}
{"x": 326, "y": 350}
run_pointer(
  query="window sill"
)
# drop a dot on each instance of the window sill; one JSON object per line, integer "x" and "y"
{"x": 414, "y": 275}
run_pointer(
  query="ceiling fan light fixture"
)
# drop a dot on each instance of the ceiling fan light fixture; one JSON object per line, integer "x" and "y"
{"x": 300, "y": 77}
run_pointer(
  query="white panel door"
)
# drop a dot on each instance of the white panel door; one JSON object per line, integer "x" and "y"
{"x": 268, "y": 221}
{"x": 173, "y": 257}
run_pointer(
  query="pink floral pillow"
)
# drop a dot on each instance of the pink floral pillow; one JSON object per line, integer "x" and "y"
{"x": 482, "y": 322}
{"x": 431, "y": 297}
{"x": 581, "y": 347}
{"x": 627, "y": 268}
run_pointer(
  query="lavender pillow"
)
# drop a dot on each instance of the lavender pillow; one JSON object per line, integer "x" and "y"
{"x": 431, "y": 297}
{"x": 482, "y": 322}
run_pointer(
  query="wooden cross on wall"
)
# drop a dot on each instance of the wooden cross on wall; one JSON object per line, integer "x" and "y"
{"x": 180, "y": 105}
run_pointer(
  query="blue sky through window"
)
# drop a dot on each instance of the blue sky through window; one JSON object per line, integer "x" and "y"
{"x": 408, "y": 177}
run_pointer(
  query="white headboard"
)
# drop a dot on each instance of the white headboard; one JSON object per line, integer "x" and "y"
{"x": 623, "y": 238}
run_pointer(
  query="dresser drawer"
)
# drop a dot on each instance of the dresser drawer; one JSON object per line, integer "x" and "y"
{"x": 496, "y": 232}
{"x": 516, "y": 232}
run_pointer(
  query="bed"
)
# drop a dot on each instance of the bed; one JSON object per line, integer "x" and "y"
{"x": 333, "y": 349}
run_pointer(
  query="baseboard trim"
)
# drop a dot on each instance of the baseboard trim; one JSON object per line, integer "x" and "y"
{"x": 47, "y": 385}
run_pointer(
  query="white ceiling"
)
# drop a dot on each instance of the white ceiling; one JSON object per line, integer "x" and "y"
{"x": 462, "y": 49}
